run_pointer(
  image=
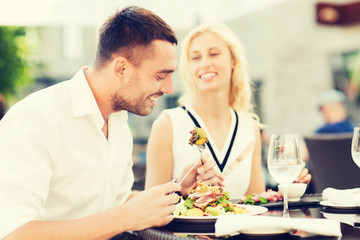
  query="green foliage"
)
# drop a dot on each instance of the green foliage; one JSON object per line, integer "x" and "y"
{"x": 354, "y": 67}
{"x": 15, "y": 71}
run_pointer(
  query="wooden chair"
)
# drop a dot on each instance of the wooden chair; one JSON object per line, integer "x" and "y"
{"x": 331, "y": 164}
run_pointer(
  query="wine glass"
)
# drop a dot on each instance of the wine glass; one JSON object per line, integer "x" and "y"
{"x": 355, "y": 146}
{"x": 284, "y": 162}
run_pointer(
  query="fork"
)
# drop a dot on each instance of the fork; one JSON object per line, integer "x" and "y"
{"x": 201, "y": 149}
{"x": 176, "y": 179}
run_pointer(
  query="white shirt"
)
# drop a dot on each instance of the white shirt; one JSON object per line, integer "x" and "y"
{"x": 55, "y": 162}
{"x": 237, "y": 182}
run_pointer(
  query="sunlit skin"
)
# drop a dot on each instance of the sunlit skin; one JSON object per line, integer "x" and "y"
{"x": 120, "y": 85}
{"x": 334, "y": 112}
{"x": 210, "y": 59}
{"x": 143, "y": 85}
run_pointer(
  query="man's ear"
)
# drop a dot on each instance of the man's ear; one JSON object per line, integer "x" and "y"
{"x": 119, "y": 66}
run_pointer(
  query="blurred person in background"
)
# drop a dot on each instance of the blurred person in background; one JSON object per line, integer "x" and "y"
{"x": 66, "y": 151}
{"x": 332, "y": 105}
{"x": 218, "y": 97}
{"x": 333, "y": 109}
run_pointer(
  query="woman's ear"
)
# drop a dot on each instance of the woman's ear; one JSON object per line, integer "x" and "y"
{"x": 233, "y": 62}
{"x": 119, "y": 66}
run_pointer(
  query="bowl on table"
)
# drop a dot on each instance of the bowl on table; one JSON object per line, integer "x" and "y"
{"x": 295, "y": 191}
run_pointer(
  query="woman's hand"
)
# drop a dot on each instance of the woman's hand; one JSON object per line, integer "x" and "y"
{"x": 206, "y": 172}
{"x": 304, "y": 177}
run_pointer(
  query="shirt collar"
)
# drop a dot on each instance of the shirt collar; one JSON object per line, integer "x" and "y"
{"x": 120, "y": 118}
{"x": 83, "y": 100}
{"x": 84, "y": 103}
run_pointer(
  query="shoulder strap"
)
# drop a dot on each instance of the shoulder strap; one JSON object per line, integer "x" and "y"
{"x": 222, "y": 165}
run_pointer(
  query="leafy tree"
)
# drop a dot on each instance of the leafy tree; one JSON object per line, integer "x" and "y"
{"x": 15, "y": 70}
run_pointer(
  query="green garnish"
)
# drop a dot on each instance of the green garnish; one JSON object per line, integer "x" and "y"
{"x": 223, "y": 199}
{"x": 263, "y": 200}
{"x": 189, "y": 203}
{"x": 250, "y": 201}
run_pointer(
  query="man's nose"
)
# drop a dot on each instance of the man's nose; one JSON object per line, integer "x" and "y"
{"x": 167, "y": 86}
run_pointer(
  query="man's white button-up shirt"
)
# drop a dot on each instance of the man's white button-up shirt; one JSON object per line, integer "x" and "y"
{"x": 55, "y": 162}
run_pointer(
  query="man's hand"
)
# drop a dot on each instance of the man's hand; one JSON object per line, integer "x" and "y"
{"x": 153, "y": 207}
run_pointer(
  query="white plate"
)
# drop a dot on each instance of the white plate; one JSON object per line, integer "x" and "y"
{"x": 344, "y": 218}
{"x": 340, "y": 206}
{"x": 264, "y": 231}
{"x": 252, "y": 210}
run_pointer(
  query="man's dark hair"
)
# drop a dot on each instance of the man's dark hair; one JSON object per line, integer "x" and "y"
{"x": 128, "y": 31}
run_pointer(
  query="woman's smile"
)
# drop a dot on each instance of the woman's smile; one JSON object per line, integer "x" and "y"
{"x": 207, "y": 75}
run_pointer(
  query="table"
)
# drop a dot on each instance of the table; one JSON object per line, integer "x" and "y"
{"x": 308, "y": 209}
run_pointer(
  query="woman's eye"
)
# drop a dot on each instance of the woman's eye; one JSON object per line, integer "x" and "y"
{"x": 214, "y": 54}
{"x": 195, "y": 58}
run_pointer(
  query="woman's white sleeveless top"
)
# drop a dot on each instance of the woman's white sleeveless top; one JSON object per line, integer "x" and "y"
{"x": 237, "y": 182}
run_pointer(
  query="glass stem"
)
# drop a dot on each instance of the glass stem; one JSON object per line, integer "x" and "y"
{"x": 286, "y": 208}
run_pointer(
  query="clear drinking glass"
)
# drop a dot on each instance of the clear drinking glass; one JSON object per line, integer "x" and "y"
{"x": 355, "y": 146}
{"x": 284, "y": 162}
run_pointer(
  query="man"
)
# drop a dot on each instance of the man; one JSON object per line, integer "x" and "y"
{"x": 65, "y": 151}
{"x": 332, "y": 107}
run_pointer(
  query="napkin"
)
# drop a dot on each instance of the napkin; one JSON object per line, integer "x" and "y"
{"x": 232, "y": 224}
{"x": 342, "y": 196}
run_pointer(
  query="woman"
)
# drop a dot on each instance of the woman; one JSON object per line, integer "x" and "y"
{"x": 218, "y": 97}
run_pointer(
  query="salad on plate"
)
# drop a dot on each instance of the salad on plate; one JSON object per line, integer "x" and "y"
{"x": 206, "y": 200}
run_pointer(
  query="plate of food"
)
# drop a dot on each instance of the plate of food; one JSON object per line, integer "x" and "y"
{"x": 270, "y": 196}
{"x": 203, "y": 206}
{"x": 206, "y": 203}
{"x": 273, "y": 200}
{"x": 247, "y": 209}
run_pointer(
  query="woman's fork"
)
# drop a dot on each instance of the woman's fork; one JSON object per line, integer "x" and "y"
{"x": 201, "y": 149}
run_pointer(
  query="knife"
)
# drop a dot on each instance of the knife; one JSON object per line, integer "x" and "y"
{"x": 239, "y": 158}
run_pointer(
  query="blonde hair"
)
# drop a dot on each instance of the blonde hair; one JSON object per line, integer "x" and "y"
{"x": 240, "y": 89}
